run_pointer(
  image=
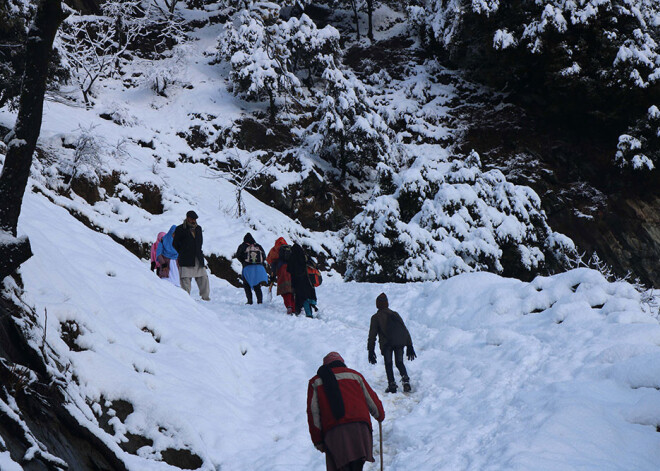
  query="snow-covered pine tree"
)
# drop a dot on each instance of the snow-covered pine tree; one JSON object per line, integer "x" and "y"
{"x": 267, "y": 55}
{"x": 259, "y": 58}
{"x": 448, "y": 216}
{"x": 347, "y": 131}
{"x": 598, "y": 58}
{"x": 312, "y": 49}
{"x": 639, "y": 148}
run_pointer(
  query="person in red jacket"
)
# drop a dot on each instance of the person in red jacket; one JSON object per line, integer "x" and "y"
{"x": 339, "y": 401}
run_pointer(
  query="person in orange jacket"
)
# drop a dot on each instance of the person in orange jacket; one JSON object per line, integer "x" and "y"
{"x": 276, "y": 259}
{"x": 339, "y": 405}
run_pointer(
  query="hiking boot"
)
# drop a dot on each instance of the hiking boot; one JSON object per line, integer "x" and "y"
{"x": 406, "y": 387}
{"x": 249, "y": 302}
{"x": 391, "y": 388}
{"x": 289, "y": 310}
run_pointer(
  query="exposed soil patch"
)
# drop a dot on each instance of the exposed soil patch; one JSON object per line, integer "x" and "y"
{"x": 392, "y": 55}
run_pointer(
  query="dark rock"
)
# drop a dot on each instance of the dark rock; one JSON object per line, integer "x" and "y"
{"x": 134, "y": 443}
{"x": 86, "y": 189}
{"x": 70, "y": 333}
{"x": 182, "y": 459}
{"x": 109, "y": 182}
{"x": 13, "y": 254}
{"x": 254, "y": 135}
{"x": 151, "y": 198}
{"x": 149, "y": 145}
{"x": 221, "y": 267}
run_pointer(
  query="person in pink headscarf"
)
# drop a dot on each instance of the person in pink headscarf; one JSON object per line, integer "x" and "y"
{"x": 155, "y": 264}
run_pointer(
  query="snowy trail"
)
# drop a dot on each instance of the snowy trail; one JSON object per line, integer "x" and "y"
{"x": 559, "y": 374}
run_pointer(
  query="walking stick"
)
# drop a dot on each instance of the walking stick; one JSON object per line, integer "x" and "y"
{"x": 380, "y": 434}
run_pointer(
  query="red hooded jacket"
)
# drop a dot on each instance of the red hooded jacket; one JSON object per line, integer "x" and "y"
{"x": 359, "y": 401}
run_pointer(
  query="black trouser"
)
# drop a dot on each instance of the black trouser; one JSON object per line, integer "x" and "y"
{"x": 398, "y": 359}
{"x": 248, "y": 292}
{"x": 354, "y": 466}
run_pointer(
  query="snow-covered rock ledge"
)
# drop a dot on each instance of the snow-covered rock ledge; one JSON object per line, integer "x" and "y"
{"x": 13, "y": 252}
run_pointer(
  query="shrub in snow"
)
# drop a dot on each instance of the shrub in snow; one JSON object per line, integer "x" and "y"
{"x": 88, "y": 158}
{"x": 588, "y": 56}
{"x": 448, "y": 216}
{"x": 164, "y": 26}
{"x": 169, "y": 70}
{"x": 640, "y": 147}
{"x": 347, "y": 131}
{"x": 91, "y": 45}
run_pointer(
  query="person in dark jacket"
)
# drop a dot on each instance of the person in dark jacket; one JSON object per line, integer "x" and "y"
{"x": 393, "y": 335}
{"x": 188, "y": 242}
{"x": 339, "y": 405}
{"x": 252, "y": 256}
{"x": 303, "y": 290}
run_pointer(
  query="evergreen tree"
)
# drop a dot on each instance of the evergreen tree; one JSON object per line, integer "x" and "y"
{"x": 350, "y": 134}
{"x": 448, "y": 216}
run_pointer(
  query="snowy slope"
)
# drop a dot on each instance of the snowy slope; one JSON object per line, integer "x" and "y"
{"x": 559, "y": 374}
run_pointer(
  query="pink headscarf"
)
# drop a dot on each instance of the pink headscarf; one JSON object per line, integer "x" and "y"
{"x": 154, "y": 246}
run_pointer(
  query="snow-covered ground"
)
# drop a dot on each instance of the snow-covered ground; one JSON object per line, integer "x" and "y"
{"x": 562, "y": 373}
{"x": 559, "y": 374}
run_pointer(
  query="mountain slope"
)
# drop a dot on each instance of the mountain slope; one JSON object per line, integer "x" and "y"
{"x": 559, "y": 373}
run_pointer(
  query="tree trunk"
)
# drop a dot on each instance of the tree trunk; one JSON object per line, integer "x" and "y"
{"x": 22, "y": 140}
{"x": 370, "y": 11}
{"x": 273, "y": 107}
{"x": 354, "y": 4}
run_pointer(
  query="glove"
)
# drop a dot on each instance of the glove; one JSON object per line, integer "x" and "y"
{"x": 410, "y": 353}
{"x": 372, "y": 357}
{"x": 153, "y": 266}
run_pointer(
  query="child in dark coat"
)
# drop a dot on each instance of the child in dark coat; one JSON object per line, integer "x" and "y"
{"x": 392, "y": 335}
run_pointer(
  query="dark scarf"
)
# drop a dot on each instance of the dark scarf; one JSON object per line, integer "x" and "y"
{"x": 331, "y": 387}
{"x": 191, "y": 227}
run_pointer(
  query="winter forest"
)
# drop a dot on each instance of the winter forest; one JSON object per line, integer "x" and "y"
{"x": 492, "y": 167}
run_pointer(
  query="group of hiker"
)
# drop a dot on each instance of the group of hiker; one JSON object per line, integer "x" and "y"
{"x": 177, "y": 256}
{"x": 339, "y": 399}
{"x": 286, "y": 265}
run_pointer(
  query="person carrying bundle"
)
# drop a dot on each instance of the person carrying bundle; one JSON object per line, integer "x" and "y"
{"x": 305, "y": 294}
{"x": 277, "y": 260}
{"x": 252, "y": 256}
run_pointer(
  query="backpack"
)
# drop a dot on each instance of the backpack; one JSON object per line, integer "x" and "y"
{"x": 253, "y": 254}
{"x": 314, "y": 275}
{"x": 397, "y": 334}
{"x": 285, "y": 253}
